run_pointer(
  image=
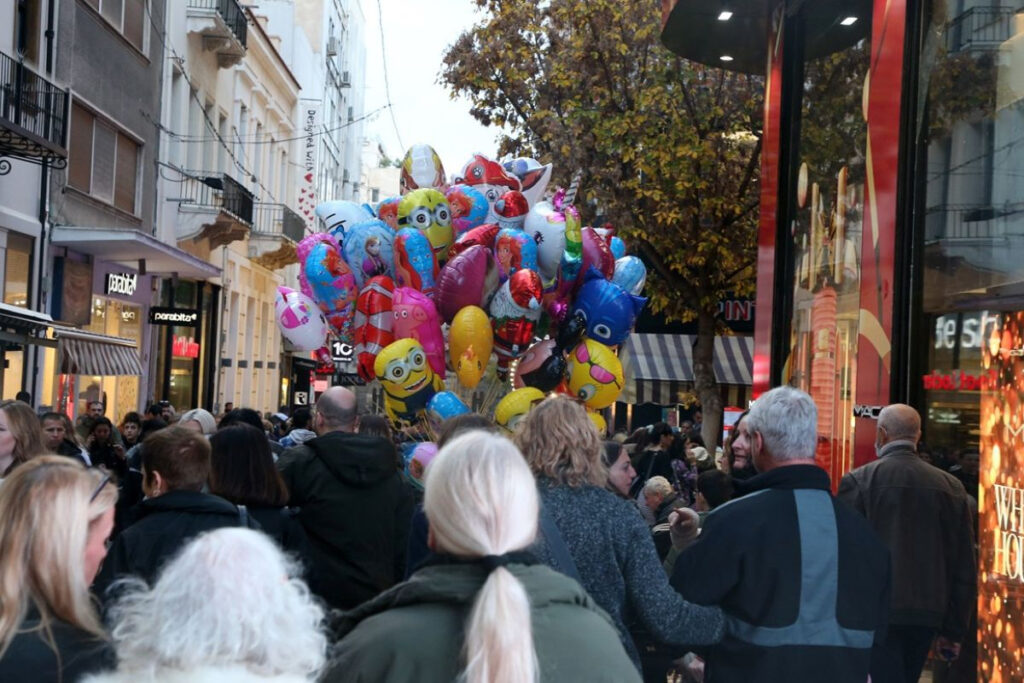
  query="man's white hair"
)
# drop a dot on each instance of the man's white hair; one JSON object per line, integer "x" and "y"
{"x": 658, "y": 486}
{"x": 230, "y": 598}
{"x": 787, "y": 420}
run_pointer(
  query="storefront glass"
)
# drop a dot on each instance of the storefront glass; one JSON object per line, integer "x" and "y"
{"x": 828, "y": 208}
{"x": 972, "y": 135}
{"x": 120, "y": 394}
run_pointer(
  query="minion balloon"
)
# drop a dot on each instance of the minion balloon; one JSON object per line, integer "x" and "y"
{"x": 427, "y": 211}
{"x": 409, "y": 382}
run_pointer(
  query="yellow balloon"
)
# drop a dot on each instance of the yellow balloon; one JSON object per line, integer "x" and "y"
{"x": 408, "y": 381}
{"x": 599, "y": 422}
{"x": 470, "y": 327}
{"x": 469, "y": 369}
{"x": 511, "y": 409}
{"x": 595, "y": 374}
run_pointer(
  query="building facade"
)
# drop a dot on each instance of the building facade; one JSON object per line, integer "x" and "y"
{"x": 890, "y": 246}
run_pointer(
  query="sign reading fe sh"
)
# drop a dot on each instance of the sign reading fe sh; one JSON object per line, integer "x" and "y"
{"x": 182, "y": 317}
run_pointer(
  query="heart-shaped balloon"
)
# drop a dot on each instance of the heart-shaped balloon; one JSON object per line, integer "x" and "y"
{"x": 469, "y": 279}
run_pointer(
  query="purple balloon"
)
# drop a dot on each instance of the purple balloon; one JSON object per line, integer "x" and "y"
{"x": 596, "y": 253}
{"x": 470, "y": 278}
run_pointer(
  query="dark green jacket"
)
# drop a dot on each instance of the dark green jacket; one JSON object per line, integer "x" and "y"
{"x": 414, "y": 632}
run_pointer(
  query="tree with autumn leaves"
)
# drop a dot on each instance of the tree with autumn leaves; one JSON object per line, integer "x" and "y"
{"x": 669, "y": 150}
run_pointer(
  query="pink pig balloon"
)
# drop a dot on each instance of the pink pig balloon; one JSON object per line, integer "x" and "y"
{"x": 415, "y": 317}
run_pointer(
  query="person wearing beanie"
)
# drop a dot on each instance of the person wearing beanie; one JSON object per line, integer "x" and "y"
{"x": 199, "y": 420}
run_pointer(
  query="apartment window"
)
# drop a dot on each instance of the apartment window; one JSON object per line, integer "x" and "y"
{"x": 127, "y": 16}
{"x": 103, "y": 161}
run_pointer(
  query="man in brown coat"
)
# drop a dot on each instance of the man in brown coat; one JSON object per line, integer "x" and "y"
{"x": 923, "y": 516}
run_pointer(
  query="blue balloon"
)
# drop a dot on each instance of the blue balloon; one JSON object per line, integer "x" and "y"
{"x": 618, "y": 247}
{"x": 369, "y": 250}
{"x": 630, "y": 274}
{"x": 445, "y": 404}
{"x": 609, "y": 311}
{"x": 415, "y": 265}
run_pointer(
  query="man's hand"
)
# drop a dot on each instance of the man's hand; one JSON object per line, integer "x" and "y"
{"x": 683, "y": 525}
{"x": 947, "y": 649}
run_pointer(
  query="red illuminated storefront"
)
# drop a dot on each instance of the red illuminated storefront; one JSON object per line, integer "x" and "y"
{"x": 891, "y": 240}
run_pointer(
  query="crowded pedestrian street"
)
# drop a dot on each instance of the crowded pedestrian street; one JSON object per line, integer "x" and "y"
{"x": 500, "y": 341}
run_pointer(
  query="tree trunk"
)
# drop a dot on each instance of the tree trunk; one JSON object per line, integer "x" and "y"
{"x": 705, "y": 384}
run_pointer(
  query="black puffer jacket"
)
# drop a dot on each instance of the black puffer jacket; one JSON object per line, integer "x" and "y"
{"x": 163, "y": 526}
{"x": 356, "y": 511}
{"x": 31, "y": 658}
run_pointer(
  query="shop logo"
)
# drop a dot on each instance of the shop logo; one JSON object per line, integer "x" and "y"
{"x": 184, "y": 317}
{"x": 958, "y": 380}
{"x": 341, "y": 352}
{"x": 869, "y": 412}
{"x": 121, "y": 283}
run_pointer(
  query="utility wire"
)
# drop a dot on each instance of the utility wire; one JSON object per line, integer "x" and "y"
{"x": 387, "y": 85}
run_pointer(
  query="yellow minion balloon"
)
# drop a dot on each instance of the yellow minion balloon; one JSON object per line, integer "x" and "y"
{"x": 595, "y": 374}
{"x": 408, "y": 381}
{"x": 511, "y": 409}
{"x": 427, "y": 210}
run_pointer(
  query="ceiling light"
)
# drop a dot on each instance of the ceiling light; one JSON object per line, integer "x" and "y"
{"x": 726, "y": 58}
{"x": 726, "y": 15}
{"x": 849, "y": 21}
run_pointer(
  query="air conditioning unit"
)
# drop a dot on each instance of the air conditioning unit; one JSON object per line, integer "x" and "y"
{"x": 346, "y": 80}
{"x": 332, "y": 46}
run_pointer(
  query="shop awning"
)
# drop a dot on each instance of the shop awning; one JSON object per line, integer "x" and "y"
{"x": 22, "y": 326}
{"x": 88, "y": 353}
{"x": 133, "y": 249}
{"x": 660, "y": 366}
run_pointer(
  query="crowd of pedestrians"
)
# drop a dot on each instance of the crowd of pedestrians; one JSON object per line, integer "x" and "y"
{"x": 193, "y": 547}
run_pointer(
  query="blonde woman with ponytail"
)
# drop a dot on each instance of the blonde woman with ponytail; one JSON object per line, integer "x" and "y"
{"x": 482, "y": 610}
{"x": 55, "y": 519}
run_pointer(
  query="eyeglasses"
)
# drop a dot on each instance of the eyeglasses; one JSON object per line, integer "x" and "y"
{"x": 597, "y": 372}
{"x": 103, "y": 482}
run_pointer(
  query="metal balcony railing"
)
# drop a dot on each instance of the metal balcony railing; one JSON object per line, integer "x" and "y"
{"x": 33, "y": 113}
{"x": 230, "y": 11}
{"x": 980, "y": 28}
{"x": 278, "y": 219}
{"x": 219, "y": 191}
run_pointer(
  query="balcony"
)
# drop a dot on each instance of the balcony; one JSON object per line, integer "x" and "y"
{"x": 213, "y": 206}
{"x": 276, "y": 230}
{"x": 223, "y": 27}
{"x": 33, "y": 116}
{"x": 980, "y": 29}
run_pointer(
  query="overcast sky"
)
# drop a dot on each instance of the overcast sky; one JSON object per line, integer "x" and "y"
{"x": 416, "y": 35}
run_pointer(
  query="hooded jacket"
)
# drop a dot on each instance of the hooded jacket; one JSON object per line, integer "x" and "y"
{"x": 297, "y": 437}
{"x": 163, "y": 526}
{"x": 355, "y": 509}
{"x": 415, "y": 631}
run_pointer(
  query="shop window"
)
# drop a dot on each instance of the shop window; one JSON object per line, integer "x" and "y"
{"x": 103, "y": 161}
{"x": 17, "y": 266}
{"x": 828, "y": 202}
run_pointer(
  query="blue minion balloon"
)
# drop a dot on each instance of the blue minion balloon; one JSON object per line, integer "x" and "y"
{"x": 609, "y": 311}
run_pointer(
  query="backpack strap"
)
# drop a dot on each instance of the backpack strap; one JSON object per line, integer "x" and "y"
{"x": 562, "y": 558}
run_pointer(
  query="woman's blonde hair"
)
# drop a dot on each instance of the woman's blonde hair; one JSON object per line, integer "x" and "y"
{"x": 26, "y": 430}
{"x": 481, "y": 499}
{"x": 46, "y": 508}
{"x": 561, "y": 443}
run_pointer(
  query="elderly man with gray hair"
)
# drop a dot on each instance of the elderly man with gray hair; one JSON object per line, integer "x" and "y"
{"x": 354, "y": 505}
{"x": 802, "y": 578}
{"x": 924, "y": 516}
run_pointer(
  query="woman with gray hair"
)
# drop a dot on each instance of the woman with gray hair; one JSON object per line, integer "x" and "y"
{"x": 227, "y": 609}
{"x": 482, "y": 610}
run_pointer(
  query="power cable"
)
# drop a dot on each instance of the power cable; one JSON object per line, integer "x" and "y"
{"x": 387, "y": 85}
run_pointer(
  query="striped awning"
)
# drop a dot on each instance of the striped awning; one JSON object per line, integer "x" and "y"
{"x": 658, "y": 367}
{"x": 88, "y": 353}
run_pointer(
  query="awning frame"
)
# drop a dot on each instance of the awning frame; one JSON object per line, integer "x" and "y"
{"x": 81, "y": 352}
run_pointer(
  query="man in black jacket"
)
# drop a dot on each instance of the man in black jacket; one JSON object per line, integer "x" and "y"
{"x": 353, "y": 504}
{"x": 175, "y": 467}
{"x": 802, "y": 578}
{"x": 924, "y": 516}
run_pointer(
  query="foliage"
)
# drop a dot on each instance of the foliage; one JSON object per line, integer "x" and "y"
{"x": 668, "y": 148}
